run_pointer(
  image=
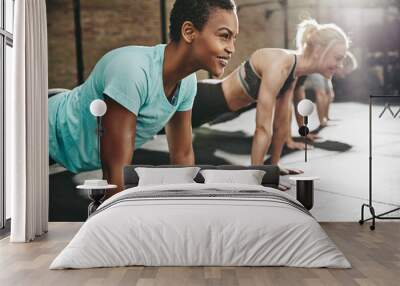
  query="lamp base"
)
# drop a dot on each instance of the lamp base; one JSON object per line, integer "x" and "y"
{"x": 305, "y": 193}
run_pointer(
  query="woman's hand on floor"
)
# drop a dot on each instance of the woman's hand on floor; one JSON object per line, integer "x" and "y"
{"x": 283, "y": 187}
{"x": 293, "y": 145}
{"x": 287, "y": 171}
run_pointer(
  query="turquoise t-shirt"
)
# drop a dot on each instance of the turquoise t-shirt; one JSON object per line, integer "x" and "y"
{"x": 132, "y": 76}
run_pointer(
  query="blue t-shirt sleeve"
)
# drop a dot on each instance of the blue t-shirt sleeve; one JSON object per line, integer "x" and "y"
{"x": 126, "y": 84}
{"x": 189, "y": 93}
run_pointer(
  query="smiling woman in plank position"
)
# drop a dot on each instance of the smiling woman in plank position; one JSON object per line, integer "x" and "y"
{"x": 145, "y": 89}
{"x": 269, "y": 78}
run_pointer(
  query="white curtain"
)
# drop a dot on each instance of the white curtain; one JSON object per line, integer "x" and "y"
{"x": 26, "y": 124}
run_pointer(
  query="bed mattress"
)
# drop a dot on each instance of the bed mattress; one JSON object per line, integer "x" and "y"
{"x": 201, "y": 225}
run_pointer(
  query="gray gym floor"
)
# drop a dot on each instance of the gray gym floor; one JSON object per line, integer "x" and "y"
{"x": 339, "y": 159}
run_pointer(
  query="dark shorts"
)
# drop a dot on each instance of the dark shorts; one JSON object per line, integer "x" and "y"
{"x": 209, "y": 103}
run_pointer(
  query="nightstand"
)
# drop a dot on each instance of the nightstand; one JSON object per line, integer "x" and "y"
{"x": 305, "y": 190}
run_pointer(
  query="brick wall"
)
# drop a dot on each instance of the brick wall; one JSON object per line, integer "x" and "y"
{"x": 105, "y": 25}
{"x": 60, "y": 32}
{"x": 110, "y": 24}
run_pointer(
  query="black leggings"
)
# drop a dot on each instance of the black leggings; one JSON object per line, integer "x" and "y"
{"x": 209, "y": 103}
{"x": 211, "y": 107}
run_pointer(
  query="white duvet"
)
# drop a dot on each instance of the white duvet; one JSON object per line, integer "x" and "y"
{"x": 183, "y": 231}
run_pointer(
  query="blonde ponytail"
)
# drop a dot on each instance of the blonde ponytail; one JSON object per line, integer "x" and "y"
{"x": 304, "y": 31}
{"x": 310, "y": 34}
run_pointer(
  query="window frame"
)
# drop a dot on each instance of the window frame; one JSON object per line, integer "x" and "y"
{"x": 6, "y": 39}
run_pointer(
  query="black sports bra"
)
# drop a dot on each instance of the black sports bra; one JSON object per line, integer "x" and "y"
{"x": 251, "y": 81}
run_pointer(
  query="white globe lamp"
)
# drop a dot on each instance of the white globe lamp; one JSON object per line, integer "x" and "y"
{"x": 98, "y": 107}
{"x": 305, "y": 107}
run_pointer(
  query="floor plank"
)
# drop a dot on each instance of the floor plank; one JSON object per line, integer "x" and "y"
{"x": 374, "y": 255}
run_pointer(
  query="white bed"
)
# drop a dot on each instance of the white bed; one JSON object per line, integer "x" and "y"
{"x": 201, "y": 224}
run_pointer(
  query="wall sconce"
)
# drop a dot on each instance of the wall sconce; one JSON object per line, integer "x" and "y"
{"x": 98, "y": 108}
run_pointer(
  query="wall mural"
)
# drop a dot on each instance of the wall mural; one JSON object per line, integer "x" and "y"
{"x": 229, "y": 127}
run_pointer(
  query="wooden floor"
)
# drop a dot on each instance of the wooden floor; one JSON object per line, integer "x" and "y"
{"x": 374, "y": 255}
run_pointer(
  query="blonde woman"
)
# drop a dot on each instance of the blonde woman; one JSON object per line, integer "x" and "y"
{"x": 269, "y": 77}
{"x": 324, "y": 95}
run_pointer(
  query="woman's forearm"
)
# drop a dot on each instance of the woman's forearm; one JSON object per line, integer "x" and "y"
{"x": 183, "y": 158}
{"x": 278, "y": 140}
{"x": 260, "y": 146}
{"x": 114, "y": 175}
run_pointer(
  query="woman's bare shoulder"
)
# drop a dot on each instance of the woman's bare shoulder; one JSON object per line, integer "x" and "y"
{"x": 271, "y": 53}
{"x": 272, "y": 58}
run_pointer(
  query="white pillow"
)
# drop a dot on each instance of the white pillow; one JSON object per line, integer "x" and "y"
{"x": 163, "y": 176}
{"x": 248, "y": 177}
